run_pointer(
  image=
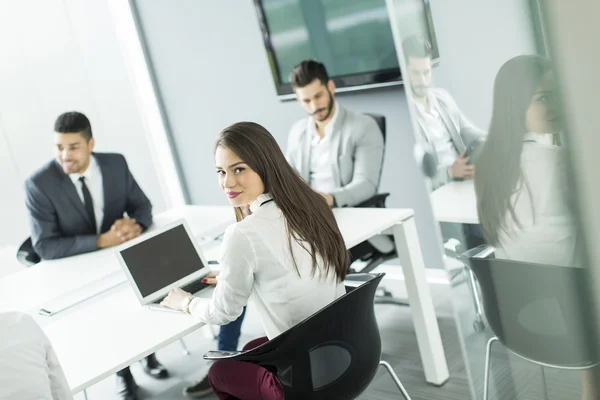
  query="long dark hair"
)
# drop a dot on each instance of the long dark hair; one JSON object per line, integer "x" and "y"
{"x": 498, "y": 166}
{"x": 309, "y": 219}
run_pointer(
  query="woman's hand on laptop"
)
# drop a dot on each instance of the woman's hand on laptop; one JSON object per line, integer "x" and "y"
{"x": 177, "y": 299}
{"x": 211, "y": 279}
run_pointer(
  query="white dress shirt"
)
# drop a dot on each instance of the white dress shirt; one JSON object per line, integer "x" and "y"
{"x": 437, "y": 131}
{"x": 256, "y": 266}
{"x": 29, "y": 369}
{"x": 546, "y": 234}
{"x": 321, "y": 172}
{"x": 93, "y": 180}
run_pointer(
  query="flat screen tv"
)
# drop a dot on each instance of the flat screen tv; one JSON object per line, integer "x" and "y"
{"x": 353, "y": 38}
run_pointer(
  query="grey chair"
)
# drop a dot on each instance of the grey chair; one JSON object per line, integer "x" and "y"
{"x": 536, "y": 311}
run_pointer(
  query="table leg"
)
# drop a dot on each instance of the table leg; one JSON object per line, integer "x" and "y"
{"x": 421, "y": 303}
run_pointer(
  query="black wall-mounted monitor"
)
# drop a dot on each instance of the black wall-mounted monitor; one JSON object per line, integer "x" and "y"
{"x": 353, "y": 38}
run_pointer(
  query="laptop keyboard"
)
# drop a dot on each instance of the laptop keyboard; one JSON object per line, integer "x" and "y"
{"x": 195, "y": 286}
{"x": 192, "y": 288}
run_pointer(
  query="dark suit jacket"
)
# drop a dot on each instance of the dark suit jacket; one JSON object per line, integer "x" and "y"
{"x": 59, "y": 224}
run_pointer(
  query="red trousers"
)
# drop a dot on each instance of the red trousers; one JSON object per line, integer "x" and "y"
{"x": 236, "y": 380}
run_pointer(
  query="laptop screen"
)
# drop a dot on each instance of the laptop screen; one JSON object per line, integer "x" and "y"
{"x": 162, "y": 259}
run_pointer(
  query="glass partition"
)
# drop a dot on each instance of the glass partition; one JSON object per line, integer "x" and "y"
{"x": 493, "y": 141}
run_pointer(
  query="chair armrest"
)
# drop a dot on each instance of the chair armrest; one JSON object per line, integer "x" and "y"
{"x": 377, "y": 201}
{"x": 221, "y": 355}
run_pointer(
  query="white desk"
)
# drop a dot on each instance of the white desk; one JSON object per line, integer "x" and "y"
{"x": 455, "y": 202}
{"x": 102, "y": 335}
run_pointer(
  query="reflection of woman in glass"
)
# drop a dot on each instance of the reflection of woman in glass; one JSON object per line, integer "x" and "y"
{"x": 520, "y": 184}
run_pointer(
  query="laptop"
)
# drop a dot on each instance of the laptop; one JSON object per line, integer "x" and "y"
{"x": 164, "y": 259}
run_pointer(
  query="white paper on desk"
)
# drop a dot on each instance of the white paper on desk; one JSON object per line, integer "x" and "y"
{"x": 83, "y": 293}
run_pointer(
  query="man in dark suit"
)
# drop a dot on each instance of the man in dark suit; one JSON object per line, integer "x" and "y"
{"x": 84, "y": 201}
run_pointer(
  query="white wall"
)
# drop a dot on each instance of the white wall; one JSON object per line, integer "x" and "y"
{"x": 475, "y": 38}
{"x": 60, "y": 55}
{"x": 212, "y": 70}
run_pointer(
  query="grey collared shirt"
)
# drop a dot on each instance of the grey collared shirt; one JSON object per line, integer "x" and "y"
{"x": 436, "y": 131}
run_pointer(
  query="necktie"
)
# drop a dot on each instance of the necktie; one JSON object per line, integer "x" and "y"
{"x": 87, "y": 202}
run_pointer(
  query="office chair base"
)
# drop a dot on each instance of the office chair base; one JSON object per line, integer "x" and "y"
{"x": 387, "y": 298}
{"x": 391, "y": 300}
{"x": 377, "y": 260}
{"x": 390, "y": 370}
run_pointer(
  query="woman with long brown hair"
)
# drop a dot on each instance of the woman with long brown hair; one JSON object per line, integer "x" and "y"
{"x": 520, "y": 183}
{"x": 285, "y": 254}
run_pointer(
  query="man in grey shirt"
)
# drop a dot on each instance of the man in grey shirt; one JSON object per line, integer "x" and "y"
{"x": 444, "y": 130}
{"x": 337, "y": 151}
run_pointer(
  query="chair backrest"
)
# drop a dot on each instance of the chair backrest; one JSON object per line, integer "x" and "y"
{"x": 537, "y": 311}
{"x": 334, "y": 354}
{"x": 380, "y": 120}
{"x": 26, "y": 254}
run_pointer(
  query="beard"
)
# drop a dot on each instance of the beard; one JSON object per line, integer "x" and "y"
{"x": 328, "y": 109}
{"x": 420, "y": 91}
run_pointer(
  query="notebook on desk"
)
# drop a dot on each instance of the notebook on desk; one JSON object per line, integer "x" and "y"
{"x": 165, "y": 259}
{"x": 82, "y": 294}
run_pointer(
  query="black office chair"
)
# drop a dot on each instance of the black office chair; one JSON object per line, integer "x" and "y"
{"x": 334, "y": 354}
{"x": 536, "y": 311}
{"x": 365, "y": 251}
{"x": 26, "y": 255}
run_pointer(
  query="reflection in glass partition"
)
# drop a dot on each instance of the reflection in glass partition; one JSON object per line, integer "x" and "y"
{"x": 521, "y": 185}
{"x": 502, "y": 196}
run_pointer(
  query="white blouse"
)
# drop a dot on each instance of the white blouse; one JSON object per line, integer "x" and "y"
{"x": 29, "y": 369}
{"x": 256, "y": 266}
{"x": 547, "y": 233}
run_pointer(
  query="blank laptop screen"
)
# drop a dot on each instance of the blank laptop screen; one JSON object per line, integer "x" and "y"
{"x": 161, "y": 260}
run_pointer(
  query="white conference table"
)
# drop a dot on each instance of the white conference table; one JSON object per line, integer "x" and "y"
{"x": 102, "y": 335}
{"x": 455, "y": 202}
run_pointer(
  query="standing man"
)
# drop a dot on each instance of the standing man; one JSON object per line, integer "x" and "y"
{"x": 445, "y": 131}
{"x": 338, "y": 152}
{"x": 77, "y": 204}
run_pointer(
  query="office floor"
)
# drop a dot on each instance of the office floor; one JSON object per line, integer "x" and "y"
{"x": 513, "y": 378}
